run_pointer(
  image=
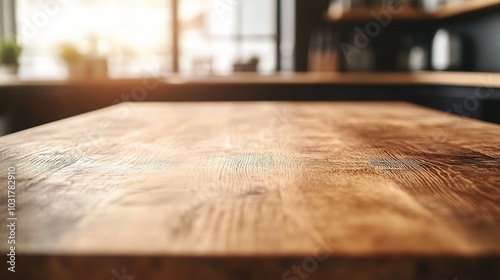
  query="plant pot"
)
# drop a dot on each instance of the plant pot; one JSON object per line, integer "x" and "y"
{"x": 77, "y": 70}
{"x": 245, "y": 67}
{"x": 11, "y": 69}
{"x": 97, "y": 68}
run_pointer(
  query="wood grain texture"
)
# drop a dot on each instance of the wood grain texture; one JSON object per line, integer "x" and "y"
{"x": 401, "y": 191}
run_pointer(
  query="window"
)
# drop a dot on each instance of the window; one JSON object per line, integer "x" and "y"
{"x": 137, "y": 36}
{"x": 216, "y": 34}
{"x": 133, "y": 34}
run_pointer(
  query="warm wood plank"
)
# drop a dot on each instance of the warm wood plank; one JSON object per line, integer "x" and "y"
{"x": 471, "y": 79}
{"x": 465, "y": 7}
{"x": 390, "y": 187}
{"x": 414, "y": 14}
{"x": 362, "y": 14}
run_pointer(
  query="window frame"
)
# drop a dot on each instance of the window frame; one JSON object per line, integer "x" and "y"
{"x": 8, "y": 19}
{"x": 238, "y": 37}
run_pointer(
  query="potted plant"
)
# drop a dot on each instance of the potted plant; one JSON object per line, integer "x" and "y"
{"x": 9, "y": 56}
{"x": 74, "y": 59}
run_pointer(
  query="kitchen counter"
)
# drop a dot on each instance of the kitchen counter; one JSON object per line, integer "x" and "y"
{"x": 255, "y": 190}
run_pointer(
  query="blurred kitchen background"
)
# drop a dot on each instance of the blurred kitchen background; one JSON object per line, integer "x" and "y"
{"x": 60, "y": 58}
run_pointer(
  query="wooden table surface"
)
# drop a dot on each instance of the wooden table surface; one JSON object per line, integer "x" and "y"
{"x": 269, "y": 190}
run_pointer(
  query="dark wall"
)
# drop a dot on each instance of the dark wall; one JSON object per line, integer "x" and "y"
{"x": 309, "y": 15}
{"x": 482, "y": 32}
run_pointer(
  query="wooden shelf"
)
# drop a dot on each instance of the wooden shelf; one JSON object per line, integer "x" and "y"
{"x": 470, "y": 79}
{"x": 412, "y": 14}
